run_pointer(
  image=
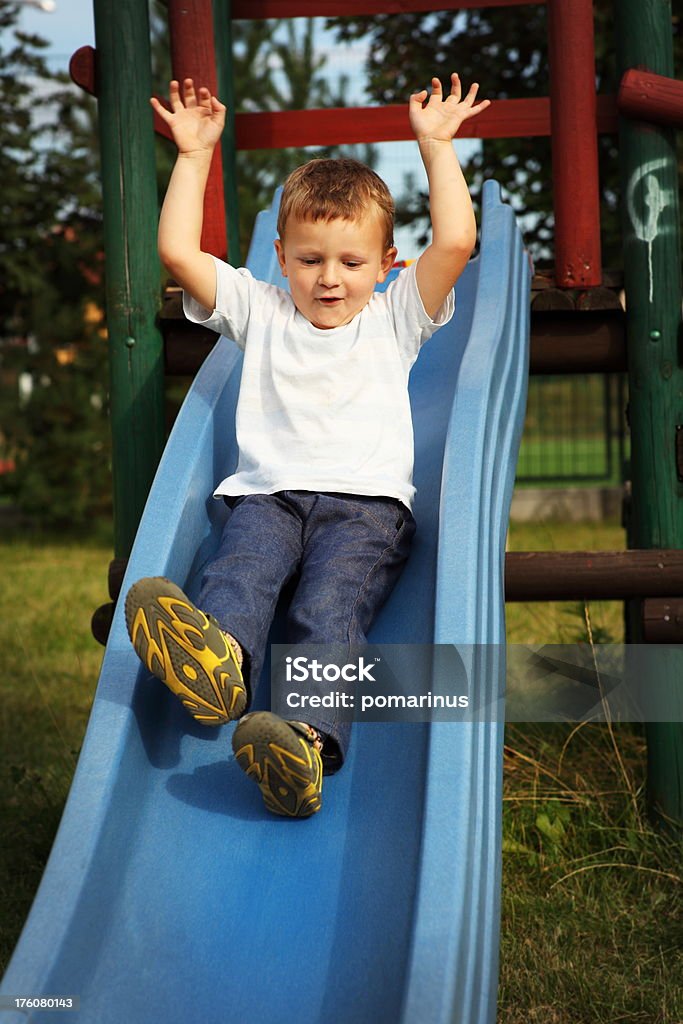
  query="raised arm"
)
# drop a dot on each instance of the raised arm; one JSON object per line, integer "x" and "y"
{"x": 435, "y": 122}
{"x": 196, "y": 121}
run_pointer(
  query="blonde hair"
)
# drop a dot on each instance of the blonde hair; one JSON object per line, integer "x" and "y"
{"x": 325, "y": 189}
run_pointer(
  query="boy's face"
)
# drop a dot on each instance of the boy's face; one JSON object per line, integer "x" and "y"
{"x": 333, "y": 266}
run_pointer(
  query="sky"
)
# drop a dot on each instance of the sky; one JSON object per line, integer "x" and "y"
{"x": 67, "y": 28}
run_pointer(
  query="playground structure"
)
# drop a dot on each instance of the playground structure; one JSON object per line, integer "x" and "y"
{"x": 437, "y": 954}
{"x": 578, "y": 325}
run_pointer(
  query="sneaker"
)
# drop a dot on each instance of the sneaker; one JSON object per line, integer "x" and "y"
{"x": 284, "y": 759}
{"x": 187, "y": 650}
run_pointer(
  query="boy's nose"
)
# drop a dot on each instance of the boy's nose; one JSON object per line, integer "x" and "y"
{"x": 329, "y": 275}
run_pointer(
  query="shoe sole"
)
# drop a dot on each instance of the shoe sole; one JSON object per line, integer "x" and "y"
{"x": 286, "y": 767}
{"x": 181, "y": 646}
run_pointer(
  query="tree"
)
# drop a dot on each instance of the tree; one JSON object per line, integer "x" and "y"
{"x": 52, "y": 349}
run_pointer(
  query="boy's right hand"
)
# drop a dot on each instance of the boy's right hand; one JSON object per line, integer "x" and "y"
{"x": 196, "y": 120}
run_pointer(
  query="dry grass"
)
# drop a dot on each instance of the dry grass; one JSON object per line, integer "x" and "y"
{"x": 592, "y": 894}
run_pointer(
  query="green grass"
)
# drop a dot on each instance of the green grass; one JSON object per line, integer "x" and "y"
{"x": 48, "y": 591}
{"x": 592, "y": 895}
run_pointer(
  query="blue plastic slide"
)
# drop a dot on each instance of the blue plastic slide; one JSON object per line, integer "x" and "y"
{"x": 171, "y": 895}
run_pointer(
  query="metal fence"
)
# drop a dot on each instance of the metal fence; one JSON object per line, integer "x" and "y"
{"x": 575, "y": 430}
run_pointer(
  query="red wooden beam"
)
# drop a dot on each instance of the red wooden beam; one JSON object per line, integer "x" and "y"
{"x": 504, "y": 119}
{"x": 193, "y": 56}
{"x": 649, "y": 97}
{"x": 576, "y": 195}
{"x": 343, "y": 125}
{"x": 82, "y": 68}
{"x": 257, "y": 9}
{"x": 336, "y": 126}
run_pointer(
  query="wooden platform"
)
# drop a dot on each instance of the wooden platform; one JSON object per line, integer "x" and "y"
{"x": 572, "y": 330}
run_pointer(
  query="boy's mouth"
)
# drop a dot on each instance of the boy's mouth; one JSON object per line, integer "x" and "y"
{"x": 329, "y": 300}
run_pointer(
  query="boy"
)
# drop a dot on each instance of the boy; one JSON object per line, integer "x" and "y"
{"x": 323, "y": 487}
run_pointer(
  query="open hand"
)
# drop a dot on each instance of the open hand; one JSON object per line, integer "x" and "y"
{"x": 439, "y": 119}
{"x": 196, "y": 120}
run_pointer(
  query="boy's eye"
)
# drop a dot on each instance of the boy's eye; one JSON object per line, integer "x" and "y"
{"x": 312, "y": 261}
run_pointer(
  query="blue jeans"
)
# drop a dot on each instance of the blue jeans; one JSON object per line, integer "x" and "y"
{"x": 343, "y": 553}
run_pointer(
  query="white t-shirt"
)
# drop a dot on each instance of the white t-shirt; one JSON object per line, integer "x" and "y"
{"x": 321, "y": 410}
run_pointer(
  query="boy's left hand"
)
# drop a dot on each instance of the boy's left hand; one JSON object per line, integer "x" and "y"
{"x": 439, "y": 119}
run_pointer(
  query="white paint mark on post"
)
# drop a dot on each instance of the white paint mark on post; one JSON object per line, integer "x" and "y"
{"x": 646, "y": 200}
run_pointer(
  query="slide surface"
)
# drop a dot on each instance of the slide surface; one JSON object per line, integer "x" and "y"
{"x": 171, "y": 894}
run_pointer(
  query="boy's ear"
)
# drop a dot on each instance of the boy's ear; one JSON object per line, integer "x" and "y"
{"x": 280, "y": 250}
{"x": 388, "y": 261}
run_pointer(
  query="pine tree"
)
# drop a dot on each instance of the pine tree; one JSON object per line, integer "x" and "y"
{"x": 52, "y": 340}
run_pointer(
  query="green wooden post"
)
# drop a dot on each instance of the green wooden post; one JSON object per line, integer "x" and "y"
{"x": 652, "y": 281}
{"x": 226, "y": 93}
{"x": 132, "y": 270}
